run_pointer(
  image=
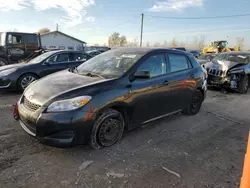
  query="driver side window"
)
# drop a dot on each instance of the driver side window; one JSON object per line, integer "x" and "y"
{"x": 155, "y": 64}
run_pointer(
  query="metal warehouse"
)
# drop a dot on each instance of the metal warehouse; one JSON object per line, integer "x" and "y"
{"x": 60, "y": 40}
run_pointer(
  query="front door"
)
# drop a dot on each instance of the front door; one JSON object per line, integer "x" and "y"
{"x": 149, "y": 97}
{"x": 15, "y": 46}
{"x": 56, "y": 63}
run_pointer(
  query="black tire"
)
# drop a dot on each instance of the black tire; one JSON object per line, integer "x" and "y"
{"x": 195, "y": 105}
{"x": 3, "y": 62}
{"x": 243, "y": 85}
{"x": 21, "y": 79}
{"x": 105, "y": 122}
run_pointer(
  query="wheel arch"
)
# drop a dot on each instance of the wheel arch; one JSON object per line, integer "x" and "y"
{"x": 121, "y": 107}
{"x": 30, "y": 73}
{"x": 202, "y": 91}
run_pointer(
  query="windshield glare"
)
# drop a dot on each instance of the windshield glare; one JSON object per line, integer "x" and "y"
{"x": 205, "y": 57}
{"x": 111, "y": 64}
{"x": 41, "y": 57}
{"x": 240, "y": 58}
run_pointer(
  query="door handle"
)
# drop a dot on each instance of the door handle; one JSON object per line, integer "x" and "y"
{"x": 165, "y": 82}
{"x": 192, "y": 76}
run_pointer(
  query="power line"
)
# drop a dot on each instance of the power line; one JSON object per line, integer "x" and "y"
{"x": 199, "y": 18}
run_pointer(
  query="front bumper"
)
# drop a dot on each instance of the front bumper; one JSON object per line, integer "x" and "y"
{"x": 62, "y": 129}
{"x": 7, "y": 83}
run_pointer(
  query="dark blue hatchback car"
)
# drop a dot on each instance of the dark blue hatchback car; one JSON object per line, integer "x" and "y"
{"x": 119, "y": 89}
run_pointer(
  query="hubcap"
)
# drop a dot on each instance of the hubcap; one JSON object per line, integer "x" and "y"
{"x": 110, "y": 131}
{"x": 27, "y": 81}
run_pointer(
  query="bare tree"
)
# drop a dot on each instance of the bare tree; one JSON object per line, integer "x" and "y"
{"x": 133, "y": 43}
{"x": 240, "y": 42}
{"x": 44, "y": 30}
{"x": 157, "y": 44}
{"x": 173, "y": 43}
{"x": 116, "y": 40}
{"x": 148, "y": 44}
{"x": 201, "y": 42}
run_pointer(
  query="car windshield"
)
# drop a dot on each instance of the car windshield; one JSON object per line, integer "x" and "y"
{"x": 111, "y": 64}
{"x": 205, "y": 57}
{"x": 240, "y": 58}
{"x": 41, "y": 57}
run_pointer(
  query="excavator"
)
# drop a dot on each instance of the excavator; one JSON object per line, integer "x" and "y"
{"x": 218, "y": 47}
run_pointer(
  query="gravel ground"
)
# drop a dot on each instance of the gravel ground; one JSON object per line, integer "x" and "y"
{"x": 206, "y": 150}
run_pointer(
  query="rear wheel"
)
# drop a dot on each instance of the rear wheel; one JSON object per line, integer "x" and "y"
{"x": 3, "y": 62}
{"x": 195, "y": 105}
{"x": 243, "y": 85}
{"x": 25, "y": 80}
{"x": 107, "y": 129}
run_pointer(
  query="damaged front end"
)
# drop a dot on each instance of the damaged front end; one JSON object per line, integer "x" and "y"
{"x": 225, "y": 74}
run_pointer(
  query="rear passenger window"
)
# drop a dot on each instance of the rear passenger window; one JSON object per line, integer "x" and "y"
{"x": 62, "y": 58}
{"x": 31, "y": 39}
{"x": 177, "y": 62}
{"x": 78, "y": 57}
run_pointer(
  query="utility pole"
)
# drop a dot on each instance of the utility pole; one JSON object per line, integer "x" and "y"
{"x": 142, "y": 17}
{"x": 57, "y": 27}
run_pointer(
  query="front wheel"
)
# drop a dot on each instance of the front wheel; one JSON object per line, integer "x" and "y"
{"x": 3, "y": 62}
{"x": 25, "y": 80}
{"x": 195, "y": 104}
{"x": 243, "y": 85}
{"x": 107, "y": 129}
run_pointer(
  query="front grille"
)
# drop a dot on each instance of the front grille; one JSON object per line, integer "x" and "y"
{"x": 215, "y": 72}
{"x": 30, "y": 105}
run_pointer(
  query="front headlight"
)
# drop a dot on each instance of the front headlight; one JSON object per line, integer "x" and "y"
{"x": 68, "y": 104}
{"x": 7, "y": 72}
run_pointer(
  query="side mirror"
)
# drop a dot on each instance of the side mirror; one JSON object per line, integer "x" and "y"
{"x": 142, "y": 74}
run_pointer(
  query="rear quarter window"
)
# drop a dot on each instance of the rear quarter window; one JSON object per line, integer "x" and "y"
{"x": 193, "y": 61}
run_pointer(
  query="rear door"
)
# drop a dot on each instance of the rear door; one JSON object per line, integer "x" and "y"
{"x": 31, "y": 43}
{"x": 180, "y": 78}
{"x": 15, "y": 46}
{"x": 56, "y": 63}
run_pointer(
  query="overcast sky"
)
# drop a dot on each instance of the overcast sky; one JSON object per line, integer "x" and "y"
{"x": 94, "y": 20}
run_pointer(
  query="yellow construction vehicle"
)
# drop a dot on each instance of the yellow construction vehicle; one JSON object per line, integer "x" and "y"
{"x": 218, "y": 47}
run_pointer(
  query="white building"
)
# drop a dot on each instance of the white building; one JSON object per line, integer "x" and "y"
{"x": 59, "y": 40}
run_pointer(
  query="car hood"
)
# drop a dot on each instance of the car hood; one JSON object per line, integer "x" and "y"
{"x": 202, "y": 61}
{"x": 56, "y": 84}
{"x": 18, "y": 65}
{"x": 223, "y": 65}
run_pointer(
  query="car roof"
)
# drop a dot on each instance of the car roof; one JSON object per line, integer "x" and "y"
{"x": 92, "y": 51}
{"x": 75, "y": 51}
{"x": 147, "y": 50}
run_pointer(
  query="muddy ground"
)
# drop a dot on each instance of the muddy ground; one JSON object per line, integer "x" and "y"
{"x": 206, "y": 150}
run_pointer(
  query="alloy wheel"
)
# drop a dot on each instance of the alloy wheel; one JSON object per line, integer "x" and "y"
{"x": 27, "y": 81}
